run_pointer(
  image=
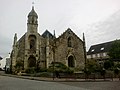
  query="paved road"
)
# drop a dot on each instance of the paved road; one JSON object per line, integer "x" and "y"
{"x": 115, "y": 85}
{"x": 10, "y": 83}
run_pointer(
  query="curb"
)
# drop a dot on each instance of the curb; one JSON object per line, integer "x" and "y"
{"x": 57, "y": 80}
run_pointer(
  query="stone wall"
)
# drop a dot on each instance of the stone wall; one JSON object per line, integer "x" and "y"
{"x": 76, "y": 50}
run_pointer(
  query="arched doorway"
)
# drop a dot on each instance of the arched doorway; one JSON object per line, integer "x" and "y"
{"x": 71, "y": 62}
{"x": 31, "y": 61}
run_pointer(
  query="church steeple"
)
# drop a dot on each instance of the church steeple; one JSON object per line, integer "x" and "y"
{"x": 32, "y": 21}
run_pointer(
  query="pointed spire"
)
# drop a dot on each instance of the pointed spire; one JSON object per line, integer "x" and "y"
{"x": 33, "y": 13}
{"x": 83, "y": 37}
{"x": 84, "y": 47}
{"x": 33, "y": 5}
{"x": 15, "y": 36}
{"x": 54, "y": 34}
{"x": 32, "y": 8}
{"x": 15, "y": 39}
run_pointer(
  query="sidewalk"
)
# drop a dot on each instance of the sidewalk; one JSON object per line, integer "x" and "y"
{"x": 59, "y": 79}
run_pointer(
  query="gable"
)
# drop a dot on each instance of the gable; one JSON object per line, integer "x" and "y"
{"x": 69, "y": 33}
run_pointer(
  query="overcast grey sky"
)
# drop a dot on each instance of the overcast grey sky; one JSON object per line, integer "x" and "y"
{"x": 98, "y": 19}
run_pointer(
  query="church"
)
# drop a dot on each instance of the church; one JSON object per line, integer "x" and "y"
{"x": 35, "y": 50}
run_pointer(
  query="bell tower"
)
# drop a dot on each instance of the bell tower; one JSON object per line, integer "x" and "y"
{"x": 31, "y": 40}
{"x": 32, "y": 22}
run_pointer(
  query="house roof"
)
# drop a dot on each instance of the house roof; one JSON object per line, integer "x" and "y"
{"x": 1, "y": 58}
{"x": 47, "y": 34}
{"x": 99, "y": 48}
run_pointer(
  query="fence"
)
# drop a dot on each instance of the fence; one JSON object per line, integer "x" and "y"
{"x": 91, "y": 76}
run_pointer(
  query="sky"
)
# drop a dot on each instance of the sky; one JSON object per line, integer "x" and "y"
{"x": 98, "y": 19}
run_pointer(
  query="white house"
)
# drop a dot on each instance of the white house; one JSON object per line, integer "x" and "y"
{"x": 3, "y": 62}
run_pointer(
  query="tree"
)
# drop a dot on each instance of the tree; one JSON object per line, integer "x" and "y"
{"x": 92, "y": 67}
{"x": 114, "y": 51}
{"x": 108, "y": 64}
{"x": 117, "y": 69}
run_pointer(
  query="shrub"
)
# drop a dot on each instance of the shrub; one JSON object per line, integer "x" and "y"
{"x": 30, "y": 70}
{"x": 42, "y": 74}
{"x": 43, "y": 70}
{"x": 116, "y": 71}
{"x": 58, "y": 66}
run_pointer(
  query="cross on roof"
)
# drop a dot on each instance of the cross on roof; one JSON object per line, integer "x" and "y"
{"x": 33, "y": 3}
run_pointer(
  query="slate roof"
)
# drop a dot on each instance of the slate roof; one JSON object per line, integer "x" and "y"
{"x": 47, "y": 34}
{"x": 1, "y": 58}
{"x": 99, "y": 48}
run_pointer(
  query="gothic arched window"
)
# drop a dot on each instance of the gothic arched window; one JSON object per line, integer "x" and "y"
{"x": 69, "y": 42}
{"x": 32, "y": 44}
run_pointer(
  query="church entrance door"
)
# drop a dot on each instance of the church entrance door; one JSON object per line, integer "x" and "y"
{"x": 70, "y": 61}
{"x": 31, "y": 61}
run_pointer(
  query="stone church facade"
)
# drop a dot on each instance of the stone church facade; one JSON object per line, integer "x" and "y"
{"x": 33, "y": 49}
